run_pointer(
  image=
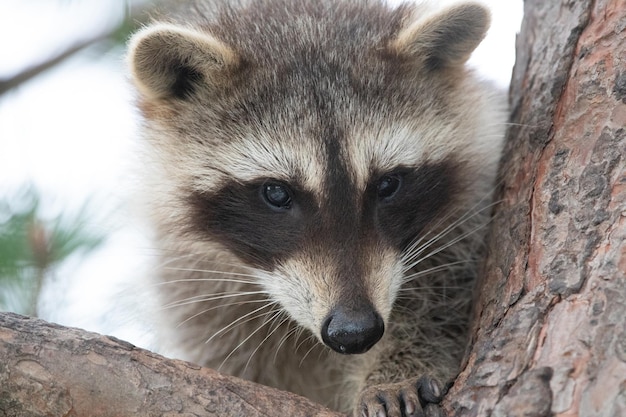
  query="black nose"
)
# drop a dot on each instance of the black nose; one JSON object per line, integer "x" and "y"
{"x": 350, "y": 331}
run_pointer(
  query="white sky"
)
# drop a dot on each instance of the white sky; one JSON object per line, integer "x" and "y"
{"x": 70, "y": 132}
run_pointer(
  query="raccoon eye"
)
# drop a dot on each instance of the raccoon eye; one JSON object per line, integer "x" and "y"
{"x": 277, "y": 196}
{"x": 388, "y": 186}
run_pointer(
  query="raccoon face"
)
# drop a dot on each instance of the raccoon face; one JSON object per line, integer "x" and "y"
{"x": 345, "y": 268}
{"x": 317, "y": 164}
{"x": 330, "y": 257}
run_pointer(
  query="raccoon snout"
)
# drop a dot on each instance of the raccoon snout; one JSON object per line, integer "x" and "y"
{"x": 352, "y": 331}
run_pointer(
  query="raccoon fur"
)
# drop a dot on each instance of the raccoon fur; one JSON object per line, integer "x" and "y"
{"x": 319, "y": 176}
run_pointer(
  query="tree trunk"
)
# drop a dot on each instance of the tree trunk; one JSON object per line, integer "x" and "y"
{"x": 550, "y": 336}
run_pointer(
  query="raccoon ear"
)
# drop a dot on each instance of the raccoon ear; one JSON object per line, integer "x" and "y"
{"x": 445, "y": 39}
{"x": 169, "y": 61}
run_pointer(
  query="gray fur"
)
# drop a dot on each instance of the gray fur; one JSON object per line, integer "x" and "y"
{"x": 325, "y": 96}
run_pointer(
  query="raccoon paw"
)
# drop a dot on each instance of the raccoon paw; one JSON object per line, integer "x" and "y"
{"x": 416, "y": 397}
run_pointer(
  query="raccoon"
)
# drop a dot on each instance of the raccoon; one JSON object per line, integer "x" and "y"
{"x": 319, "y": 176}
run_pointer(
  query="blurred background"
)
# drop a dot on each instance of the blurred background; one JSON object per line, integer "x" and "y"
{"x": 71, "y": 249}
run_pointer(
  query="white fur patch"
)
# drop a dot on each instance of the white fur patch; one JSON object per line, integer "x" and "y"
{"x": 263, "y": 155}
{"x": 469, "y": 134}
{"x": 307, "y": 289}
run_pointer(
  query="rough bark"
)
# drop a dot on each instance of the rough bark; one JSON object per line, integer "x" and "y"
{"x": 50, "y": 370}
{"x": 551, "y": 330}
{"x": 550, "y": 335}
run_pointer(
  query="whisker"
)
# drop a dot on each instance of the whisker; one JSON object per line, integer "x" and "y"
{"x": 232, "y": 352}
{"x": 469, "y": 213}
{"x": 209, "y": 297}
{"x": 435, "y": 237}
{"x": 310, "y": 349}
{"x": 443, "y": 267}
{"x": 273, "y": 318}
{"x": 298, "y": 334}
{"x": 518, "y": 124}
{"x": 178, "y": 281}
{"x": 210, "y": 271}
{"x": 414, "y": 250}
{"x": 291, "y": 331}
{"x": 220, "y": 306}
{"x": 201, "y": 258}
{"x": 172, "y": 260}
{"x": 431, "y": 287}
{"x": 450, "y": 243}
{"x": 246, "y": 318}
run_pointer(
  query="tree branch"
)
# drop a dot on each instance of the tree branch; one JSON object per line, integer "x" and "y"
{"x": 50, "y": 370}
{"x": 7, "y": 84}
{"x": 135, "y": 13}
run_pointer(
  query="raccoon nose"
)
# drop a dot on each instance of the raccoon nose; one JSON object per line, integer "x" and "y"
{"x": 352, "y": 331}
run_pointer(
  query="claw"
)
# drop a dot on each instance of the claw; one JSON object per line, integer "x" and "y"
{"x": 428, "y": 390}
{"x": 416, "y": 397}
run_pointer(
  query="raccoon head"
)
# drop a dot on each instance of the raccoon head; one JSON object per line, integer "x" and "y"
{"x": 317, "y": 149}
